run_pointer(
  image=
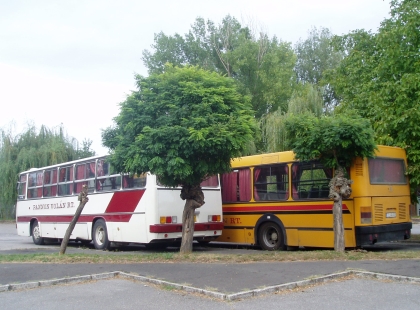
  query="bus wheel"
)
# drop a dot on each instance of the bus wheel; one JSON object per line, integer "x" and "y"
{"x": 270, "y": 237}
{"x": 100, "y": 235}
{"x": 36, "y": 234}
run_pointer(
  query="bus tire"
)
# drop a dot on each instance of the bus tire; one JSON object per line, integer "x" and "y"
{"x": 100, "y": 235}
{"x": 36, "y": 234}
{"x": 270, "y": 237}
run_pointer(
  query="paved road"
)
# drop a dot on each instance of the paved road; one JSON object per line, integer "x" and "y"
{"x": 398, "y": 287}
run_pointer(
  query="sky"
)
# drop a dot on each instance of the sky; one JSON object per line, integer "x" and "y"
{"x": 70, "y": 63}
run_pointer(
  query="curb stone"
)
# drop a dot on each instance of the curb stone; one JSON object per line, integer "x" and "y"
{"x": 209, "y": 293}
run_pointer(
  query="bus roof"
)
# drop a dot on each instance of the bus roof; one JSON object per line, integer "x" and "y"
{"x": 65, "y": 163}
{"x": 289, "y": 156}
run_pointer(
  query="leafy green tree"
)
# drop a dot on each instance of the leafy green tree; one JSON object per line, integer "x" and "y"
{"x": 316, "y": 55}
{"x": 335, "y": 141}
{"x": 32, "y": 148}
{"x": 84, "y": 151}
{"x": 380, "y": 78}
{"x": 182, "y": 125}
{"x": 261, "y": 66}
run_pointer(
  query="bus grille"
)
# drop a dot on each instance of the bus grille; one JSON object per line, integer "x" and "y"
{"x": 359, "y": 167}
{"x": 379, "y": 212}
{"x": 402, "y": 211}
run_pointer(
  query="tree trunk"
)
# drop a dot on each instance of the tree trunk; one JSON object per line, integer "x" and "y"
{"x": 83, "y": 200}
{"x": 194, "y": 199}
{"x": 339, "y": 189}
{"x": 339, "y": 243}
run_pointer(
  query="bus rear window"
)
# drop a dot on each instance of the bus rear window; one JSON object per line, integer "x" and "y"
{"x": 386, "y": 171}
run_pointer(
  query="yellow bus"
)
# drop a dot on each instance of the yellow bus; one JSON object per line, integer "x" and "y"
{"x": 275, "y": 201}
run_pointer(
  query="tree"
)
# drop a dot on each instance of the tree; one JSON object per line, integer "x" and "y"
{"x": 182, "y": 125}
{"x": 85, "y": 151}
{"x": 261, "y": 66}
{"x": 380, "y": 78}
{"x": 305, "y": 99}
{"x": 335, "y": 141}
{"x": 315, "y": 56}
{"x": 83, "y": 198}
{"x": 32, "y": 148}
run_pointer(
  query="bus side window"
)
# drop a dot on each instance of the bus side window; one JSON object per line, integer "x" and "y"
{"x": 136, "y": 181}
{"x": 22, "y": 187}
{"x": 50, "y": 183}
{"x": 65, "y": 181}
{"x": 106, "y": 178}
{"x": 310, "y": 180}
{"x": 236, "y": 185}
{"x": 271, "y": 182}
{"x": 35, "y": 184}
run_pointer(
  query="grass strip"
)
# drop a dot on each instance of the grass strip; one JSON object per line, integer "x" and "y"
{"x": 163, "y": 257}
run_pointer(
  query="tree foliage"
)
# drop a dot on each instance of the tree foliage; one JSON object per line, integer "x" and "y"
{"x": 380, "y": 78}
{"x": 182, "y": 125}
{"x": 261, "y": 66}
{"x": 334, "y": 140}
{"x": 315, "y": 56}
{"x": 305, "y": 99}
{"x": 33, "y": 148}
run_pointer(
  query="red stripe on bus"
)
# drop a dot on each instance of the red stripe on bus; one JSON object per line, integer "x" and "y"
{"x": 171, "y": 228}
{"x": 124, "y": 201}
{"x": 68, "y": 218}
{"x": 280, "y": 208}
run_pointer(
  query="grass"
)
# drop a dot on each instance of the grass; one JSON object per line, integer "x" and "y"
{"x": 277, "y": 256}
{"x": 196, "y": 257}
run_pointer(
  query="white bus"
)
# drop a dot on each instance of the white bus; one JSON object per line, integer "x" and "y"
{"x": 121, "y": 209}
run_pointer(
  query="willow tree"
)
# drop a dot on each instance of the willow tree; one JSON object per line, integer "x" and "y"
{"x": 183, "y": 125}
{"x": 305, "y": 99}
{"x": 32, "y": 148}
{"x": 335, "y": 141}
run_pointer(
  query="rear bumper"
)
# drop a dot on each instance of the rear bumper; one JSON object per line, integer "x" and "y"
{"x": 171, "y": 228}
{"x": 368, "y": 235}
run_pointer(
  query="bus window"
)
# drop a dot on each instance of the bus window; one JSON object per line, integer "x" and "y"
{"x": 35, "y": 185}
{"x": 310, "y": 180}
{"x": 271, "y": 182}
{"x": 236, "y": 185}
{"x": 22, "y": 187}
{"x": 50, "y": 183}
{"x": 136, "y": 181}
{"x": 386, "y": 171}
{"x": 212, "y": 181}
{"x": 65, "y": 180}
{"x": 85, "y": 175}
{"x": 107, "y": 179}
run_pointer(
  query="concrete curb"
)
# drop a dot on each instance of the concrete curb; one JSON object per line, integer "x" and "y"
{"x": 70, "y": 280}
{"x": 212, "y": 294}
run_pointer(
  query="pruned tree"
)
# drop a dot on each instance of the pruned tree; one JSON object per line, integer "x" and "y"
{"x": 182, "y": 125}
{"x": 336, "y": 141}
